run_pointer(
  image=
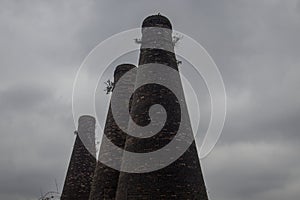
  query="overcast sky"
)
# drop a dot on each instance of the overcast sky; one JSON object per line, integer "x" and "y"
{"x": 255, "y": 44}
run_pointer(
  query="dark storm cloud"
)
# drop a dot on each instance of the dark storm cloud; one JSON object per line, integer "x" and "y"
{"x": 254, "y": 43}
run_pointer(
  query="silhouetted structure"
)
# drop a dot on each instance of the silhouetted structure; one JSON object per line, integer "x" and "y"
{"x": 82, "y": 164}
{"x": 106, "y": 179}
{"x": 183, "y": 178}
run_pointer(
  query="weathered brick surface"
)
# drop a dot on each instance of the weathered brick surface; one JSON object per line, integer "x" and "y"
{"x": 183, "y": 178}
{"x": 106, "y": 178}
{"x": 180, "y": 180}
{"x": 82, "y": 164}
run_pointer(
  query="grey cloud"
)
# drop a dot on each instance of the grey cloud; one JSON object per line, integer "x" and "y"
{"x": 254, "y": 43}
{"x": 253, "y": 170}
{"x": 23, "y": 97}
